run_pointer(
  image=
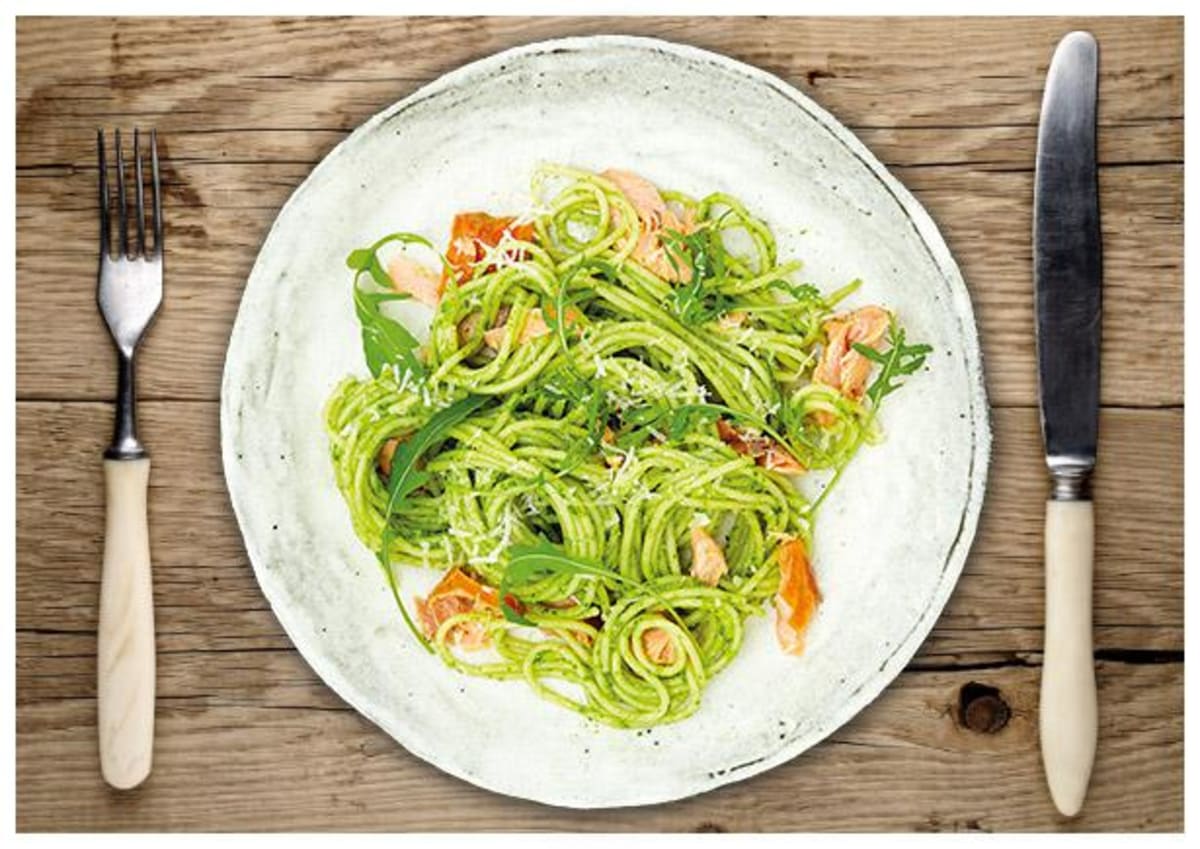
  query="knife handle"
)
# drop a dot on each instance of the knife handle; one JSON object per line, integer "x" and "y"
{"x": 125, "y": 668}
{"x": 1068, "y": 709}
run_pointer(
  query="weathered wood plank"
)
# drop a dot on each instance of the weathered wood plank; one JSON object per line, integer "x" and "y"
{"x": 240, "y": 136}
{"x": 206, "y": 595}
{"x": 75, "y": 112}
{"x": 871, "y": 72}
{"x": 219, "y": 213}
{"x": 291, "y": 759}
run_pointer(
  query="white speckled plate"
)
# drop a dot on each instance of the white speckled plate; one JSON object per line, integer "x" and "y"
{"x": 891, "y": 539}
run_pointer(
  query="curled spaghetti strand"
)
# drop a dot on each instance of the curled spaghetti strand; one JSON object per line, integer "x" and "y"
{"x": 627, "y": 409}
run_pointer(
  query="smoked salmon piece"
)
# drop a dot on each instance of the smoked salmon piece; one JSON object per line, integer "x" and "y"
{"x": 473, "y": 234}
{"x": 386, "y": 452}
{"x": 415, "y": 280}
{"x": 535, "y": 326}
{"x": 708, "y": 560}
{"x": 457, "y": 592}
{"x": 764, "y": 450}
{"x": 654, "y": 216}
{"x": 777, "y": 459}
{"x": 841, "y": 366}
{"x": 659, "y": 646}
{"x": 797, "y": 598}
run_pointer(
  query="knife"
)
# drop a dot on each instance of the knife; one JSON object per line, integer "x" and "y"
{"x": 1067, "y": 278}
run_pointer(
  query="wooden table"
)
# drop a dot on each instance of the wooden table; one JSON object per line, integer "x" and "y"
{"x": 249, "y": 738}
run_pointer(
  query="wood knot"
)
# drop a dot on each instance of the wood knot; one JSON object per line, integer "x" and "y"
{"x": 982, "y": 709}
{"x": 705, "y": 827}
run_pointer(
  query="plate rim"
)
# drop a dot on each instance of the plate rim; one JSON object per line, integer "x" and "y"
{"x": 980, "y": 419}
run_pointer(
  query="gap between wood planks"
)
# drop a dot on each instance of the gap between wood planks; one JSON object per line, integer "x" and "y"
{"x": 1133, "y": 657}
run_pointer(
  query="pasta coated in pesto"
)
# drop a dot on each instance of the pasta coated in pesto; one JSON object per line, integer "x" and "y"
{"x": 639, "y": 381}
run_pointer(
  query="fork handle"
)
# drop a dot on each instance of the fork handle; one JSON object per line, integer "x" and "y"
{"x": 1068, "y": 711}
{"x": 125, "y": 671}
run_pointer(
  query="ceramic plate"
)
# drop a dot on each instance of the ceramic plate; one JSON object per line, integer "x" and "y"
{"x": 891, "y": 539}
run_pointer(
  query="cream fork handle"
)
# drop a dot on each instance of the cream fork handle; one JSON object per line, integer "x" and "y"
{"x": 1068, "y": 702}
{"x": 125, "y": 670}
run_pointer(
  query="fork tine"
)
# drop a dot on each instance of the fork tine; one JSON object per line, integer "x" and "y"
{"x": 123, "y": 206}
{"x": 141, "y": 205}
{"x": 103, "y": 193}
{"x": 157, "y": 200}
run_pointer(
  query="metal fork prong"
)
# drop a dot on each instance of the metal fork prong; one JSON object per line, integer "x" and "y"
{"x": 141, "y": 205}
{"x": 122, "y": 205}
{"x": 103, "y": 194}
{"x": 157, "y": 200}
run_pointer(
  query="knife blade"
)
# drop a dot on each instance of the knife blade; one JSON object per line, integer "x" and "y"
{"x": 1067, "y": 259}
{"x": 1068, "y": 281}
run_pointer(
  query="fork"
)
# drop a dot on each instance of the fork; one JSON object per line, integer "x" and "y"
{"x": 129, "y": 293}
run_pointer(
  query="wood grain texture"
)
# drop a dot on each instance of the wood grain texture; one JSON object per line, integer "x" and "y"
{"x": 291, "y": 758}
{"x": 956, "y": 123}
{"x": 247, "y": 106}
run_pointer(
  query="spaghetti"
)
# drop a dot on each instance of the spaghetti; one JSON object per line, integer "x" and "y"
{"x": 599, "y": 441}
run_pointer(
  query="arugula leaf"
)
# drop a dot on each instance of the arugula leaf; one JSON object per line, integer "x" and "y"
{"x": 365, "y": 259}
{"x": 646, "y": 420}
{"x": 801, "y": 292}
{"x": 899, "y": 360}
{"x": 407, "y": 478}
{"x": 543, "y": 559}
{"x": 677, "y": 422}
{"x": 555, "y": 317}
{"x": 534, "y": 562}
{"x": 696, "y": 302}
{"x": 690, "y": 416}
{"x": 585, "y": 395}
{"x": 646, "y": 414}
{"x": 385, "y": 341}
{"x": 589, "y": 399}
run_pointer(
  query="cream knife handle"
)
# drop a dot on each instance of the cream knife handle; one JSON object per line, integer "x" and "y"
{"x": 125, "y": 669}
{"x": 1068, "y": 701}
